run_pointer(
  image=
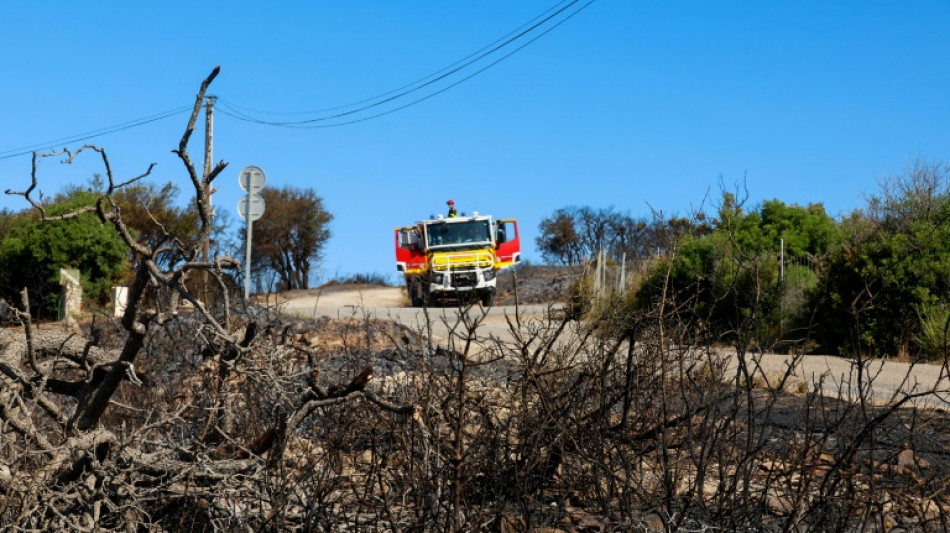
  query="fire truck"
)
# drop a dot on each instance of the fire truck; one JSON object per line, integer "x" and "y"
{"x": 456, "y": 257}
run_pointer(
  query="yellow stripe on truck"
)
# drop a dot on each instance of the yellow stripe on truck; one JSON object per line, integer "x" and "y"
{"x": 449, "y": 260}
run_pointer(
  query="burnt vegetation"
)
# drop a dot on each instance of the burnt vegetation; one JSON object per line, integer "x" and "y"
{"x": 218, "y": 416}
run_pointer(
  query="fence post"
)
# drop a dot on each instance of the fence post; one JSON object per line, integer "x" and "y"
{"x": 623, "y": 273}
{"x": 781, "y": 274}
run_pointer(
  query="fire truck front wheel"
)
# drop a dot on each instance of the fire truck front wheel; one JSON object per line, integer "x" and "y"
{"x": 416, "y": 298}
{"x": 487, "y": 297}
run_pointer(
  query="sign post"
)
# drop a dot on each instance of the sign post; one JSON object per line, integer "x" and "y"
{"x": 251, "y": 208}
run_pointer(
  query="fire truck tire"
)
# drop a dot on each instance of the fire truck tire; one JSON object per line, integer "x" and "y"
{"x": 414, "y": 299}
{"x": 488, "y": 298}
{"x": 426, "y": 298}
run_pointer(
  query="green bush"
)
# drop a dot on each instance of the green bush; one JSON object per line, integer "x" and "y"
{"x": 880, "y": 290}
{"x": 32, "y": 253}
{"x": 931, "y": 340}
{"x": 729, "y": 279}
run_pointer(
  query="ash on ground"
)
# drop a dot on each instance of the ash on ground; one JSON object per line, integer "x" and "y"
{"x": 533, "y": 284}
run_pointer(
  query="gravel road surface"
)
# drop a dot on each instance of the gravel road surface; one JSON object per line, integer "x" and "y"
{"x": 833, "y": 375}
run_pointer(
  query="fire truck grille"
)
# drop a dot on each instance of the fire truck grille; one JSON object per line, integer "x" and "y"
{"x": 464, "y": 279}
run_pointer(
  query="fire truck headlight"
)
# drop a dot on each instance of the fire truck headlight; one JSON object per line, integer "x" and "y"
{"x": 438, "y": 279}
{"x": 488, "y": 274}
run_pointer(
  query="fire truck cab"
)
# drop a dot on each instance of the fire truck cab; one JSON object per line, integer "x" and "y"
{"x": 456, "y": 257}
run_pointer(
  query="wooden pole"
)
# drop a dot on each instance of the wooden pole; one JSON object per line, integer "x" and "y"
{"x": 209, "y": 158}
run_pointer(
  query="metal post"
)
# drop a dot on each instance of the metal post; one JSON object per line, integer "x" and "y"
{"x": 603, "y": 272}
{"x": 781, "y": 275}
{"x": 247, "y": 254}
{"x": 781, "y": 260}
{"x": 597, "y": 266}
{"x": 252, "y": 180}
{"x": 623, "y": 273}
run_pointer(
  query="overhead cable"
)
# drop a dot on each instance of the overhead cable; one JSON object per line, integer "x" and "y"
{"x": 232, "y": 111}
{"x": 79, "y": 137}
{"x": 308, "y": 123}
{"x": 244, "y": 113}
{"x": 239, "y": 109}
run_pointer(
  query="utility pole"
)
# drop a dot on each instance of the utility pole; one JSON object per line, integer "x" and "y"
{"x": 209, "y": 158}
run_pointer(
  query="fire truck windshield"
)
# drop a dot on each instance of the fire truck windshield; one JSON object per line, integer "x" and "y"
{"x": 443, "y": 233}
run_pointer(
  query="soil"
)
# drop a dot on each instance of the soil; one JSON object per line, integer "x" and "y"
{"x": 531, "y": 284}
{"x": 526, "y": 284}
{"x": 341, "y": 295}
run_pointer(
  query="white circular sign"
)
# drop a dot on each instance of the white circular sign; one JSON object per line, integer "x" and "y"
{"x": 252, "y": 179}
{"x": 253, "y": 204}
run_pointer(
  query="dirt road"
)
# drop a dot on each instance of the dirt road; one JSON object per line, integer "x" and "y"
{"x": 391, "y": 303}
{"x": 833, "y": 375}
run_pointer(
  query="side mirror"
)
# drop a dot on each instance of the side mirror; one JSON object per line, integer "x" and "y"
{"x": 500, "y": 236}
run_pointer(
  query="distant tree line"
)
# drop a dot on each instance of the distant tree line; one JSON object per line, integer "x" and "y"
{"x": 288, "y": 240}
{"x": 875, "y": 281}
{"x": 572, "y": 235}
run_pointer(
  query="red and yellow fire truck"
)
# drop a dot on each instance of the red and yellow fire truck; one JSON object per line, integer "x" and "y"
{"x": 456, "y": 257}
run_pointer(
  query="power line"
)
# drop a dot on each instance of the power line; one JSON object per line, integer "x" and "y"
{"x": 238, "y": 108}
{"x": 235, "y": 111}
{"x": 308, "y": 123}
{"x": 24, "y": 150}
{"x": 231, "y": 110}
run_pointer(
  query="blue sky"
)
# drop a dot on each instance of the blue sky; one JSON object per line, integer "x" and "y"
{"x": 633, "y": 105}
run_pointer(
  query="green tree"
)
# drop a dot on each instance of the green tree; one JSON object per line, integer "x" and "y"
{"x": 151, "y": 212}
{"x": 31, "y": 253}
{"x": 7, "y": 219}
{"x": 807, "y": 231}
{"x": 893, "y": 271}
{"x": 729, "y": 277}
{"x": 290, "y": 237}
{"x": 558, "y": 241}
{"x": 572, "y": 234}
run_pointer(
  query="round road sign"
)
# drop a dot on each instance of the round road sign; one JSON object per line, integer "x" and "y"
{"x": 253, "y": 204}
{"x": 252, "y": 179}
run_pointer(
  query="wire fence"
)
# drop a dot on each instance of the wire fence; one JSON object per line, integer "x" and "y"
{"x": 612, "y": 278}
{"x": 798, "y": 277}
